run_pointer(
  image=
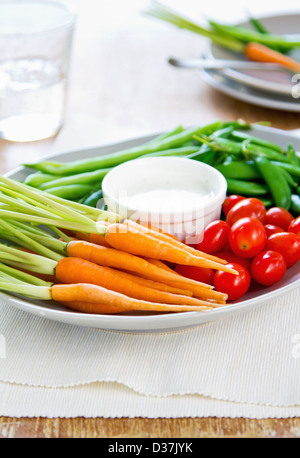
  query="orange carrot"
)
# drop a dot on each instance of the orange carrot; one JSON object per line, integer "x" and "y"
{"x": 161, "y": 286}
{"x": 166, "y": 237}
{"x": 90, "y": 307}
{"x": 196, "y": 291}
{"x": 140, "y": 267}
{"x": 162, "y": 265}
{"x": 126, "y": 238}
{"x": 75, "y": 270}
{"x": 261, "y": 53}
{"x": 94, "y": 238}
{"x": 88, "y": 298}
{"x": 152, "y": 228}
{"x": 125, "y": 261}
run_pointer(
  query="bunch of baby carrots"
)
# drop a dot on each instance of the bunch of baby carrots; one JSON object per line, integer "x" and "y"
{"x": 90, "y": 261}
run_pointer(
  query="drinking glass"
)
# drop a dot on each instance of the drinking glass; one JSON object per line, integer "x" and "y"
{"x": 35, "y": 46}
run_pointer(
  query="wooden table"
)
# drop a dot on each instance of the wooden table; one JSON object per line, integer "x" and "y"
{"x": 120, "y": 86}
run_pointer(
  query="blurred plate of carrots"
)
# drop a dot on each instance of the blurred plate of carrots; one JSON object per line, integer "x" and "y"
{"x": 273, "y": 39}
{"x": 267, "y": 80}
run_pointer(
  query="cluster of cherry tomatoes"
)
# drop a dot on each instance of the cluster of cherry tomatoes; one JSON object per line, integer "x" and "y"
{"x": 260, "y": 244}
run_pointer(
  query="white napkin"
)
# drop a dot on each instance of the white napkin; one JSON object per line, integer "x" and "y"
{"x": 246, "y": 365}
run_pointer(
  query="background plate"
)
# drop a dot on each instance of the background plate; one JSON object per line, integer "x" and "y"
{"x": 267, "y": 80}
{"x": 154, "y": 322}
{"x": 248, "y": 94}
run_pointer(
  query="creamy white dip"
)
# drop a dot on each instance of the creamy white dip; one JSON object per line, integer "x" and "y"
{"x": 166, "y": 200}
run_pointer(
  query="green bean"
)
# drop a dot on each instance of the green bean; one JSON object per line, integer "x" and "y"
{"x": 294, "y": 170}
{"x": 183, "y": 151}
{"x": 70, "y": 192}
{"x": 81, "y": 178}
{"x": 226, "y": 145}
{"x": 94, "y": 198}
{"x": 292, "y": 155}
{"x": 37, "y": 178}
{"x": 258, "y": 25}
{"x": 222, "y": 145}
{"x": 82, "y": 199}
{"x": 256, "y": 140}
{"x": 289, "y": 178}
{"x": 250, "y": 149}
{"x": 295, "y": 205}
{"x": 240, "y": 170}
{"x": 247, "y": 35}
{"x": 164, "y": 135}
{"x": 205, "y": 155}
{"x": 222, "y": 133}
{"x": 276, "y": 182}
{"x": 229, "y": 159}
{"x": 238, "y": 124}
{"x": 247, "y": 188}
{"x": 113, "y": 159}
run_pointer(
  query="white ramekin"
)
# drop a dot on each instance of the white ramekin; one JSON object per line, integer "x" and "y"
{"x": 173, "y": 173}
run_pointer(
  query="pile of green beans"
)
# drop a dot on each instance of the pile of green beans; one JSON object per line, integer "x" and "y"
{"x": 81, "y": 180}
{"x": 252, "y": 166}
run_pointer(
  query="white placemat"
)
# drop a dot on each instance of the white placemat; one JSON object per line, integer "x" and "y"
{"x": 247, "y": 365}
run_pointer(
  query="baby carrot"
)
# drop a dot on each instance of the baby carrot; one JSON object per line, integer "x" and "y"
{"x": 90, "y": 307}
{"x": 99, "y": 239}
{"x": 166, "y": 237}
{"x": 88, "y": 298}
{"x": 261, "y": 53}
{"x": 161, "y": 286}
{"x": 196, "y": 290}
{"x": 162, "y": 265}
{"x": 75, "y": 270}
{"x": 125, "y": 261}
{"x": 126, "y": 238}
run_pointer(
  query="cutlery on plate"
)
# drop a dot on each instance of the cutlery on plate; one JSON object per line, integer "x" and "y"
{"x": 219, "y": 64}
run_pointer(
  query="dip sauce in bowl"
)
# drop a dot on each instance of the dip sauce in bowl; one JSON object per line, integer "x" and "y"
{"x": 178, "y": 195}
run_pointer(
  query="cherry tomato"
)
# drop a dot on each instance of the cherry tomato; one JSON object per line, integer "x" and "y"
{"x": 196, "y": 273}
{"x": 295, "y": 226}
{"x": 231, "y": 257}
{"x": 268, "y": 267}
{"x": 214, "y": 237}
{"x": 272, "y": 229}
{"x": 235, "y": 286}
{"x": 250, "y": 207}
{"x": 230, "y": 201}
{"x": 278, "y": 217}
{"x": 287, "y": 244}
{"x": 247, "y": 237}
